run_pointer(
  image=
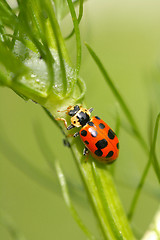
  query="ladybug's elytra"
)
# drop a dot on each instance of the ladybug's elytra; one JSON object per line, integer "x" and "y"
{"x": 97, "y": 136}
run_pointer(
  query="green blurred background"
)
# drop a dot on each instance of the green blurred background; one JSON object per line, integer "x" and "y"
{"x": 126, "y": 37}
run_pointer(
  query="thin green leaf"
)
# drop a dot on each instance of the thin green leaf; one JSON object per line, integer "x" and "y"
{"x": 150, "y": 123}
{"x": 152, "y": 160}
{"x": 77, "y": 32}
{"x": 40, "y": 23}
{"x": 7, "y": 16}
{"x": 57, "y": 35}
{"x": 55, "y": 166}
{"x": 79, "y": 18}
{"x": 5, "y": 3}
{"x": 119, "y": 98}
{"x": 28, "y": 25}
{"x": 25, "y": 27}
{"x": 62, "y": 9}
{"x": 153, "y": 149}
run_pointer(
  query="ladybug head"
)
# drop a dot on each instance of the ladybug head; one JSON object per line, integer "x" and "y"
{"x": 74, "y": 110}
{"x": 79, "y": 116}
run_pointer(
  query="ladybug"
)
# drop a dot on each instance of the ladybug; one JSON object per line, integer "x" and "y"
{"x": 97, "y": 136}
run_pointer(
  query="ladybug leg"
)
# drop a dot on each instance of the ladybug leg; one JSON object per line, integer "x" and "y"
{"x": 65, "y": 123}
{"x": 65, "y": 142}
{"x": 73, "y": 135}
{"x": 62, "y": 119}
{"x": 90, "y": 110}
{"x": 70, "y": 127}
{"x": 85, "y": 151}
{"x": 76, "y": 134}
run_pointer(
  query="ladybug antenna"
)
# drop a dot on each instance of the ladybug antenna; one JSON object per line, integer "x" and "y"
{"x": 66, "y": 110}
{"x": 62, "y": 111}
{"x": 71, "y": 110}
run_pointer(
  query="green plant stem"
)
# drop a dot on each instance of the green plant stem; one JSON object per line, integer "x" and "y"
{"x": 104, "y": 197}
{"x": 79, "y": 18}
{"x": 101, "y": 190}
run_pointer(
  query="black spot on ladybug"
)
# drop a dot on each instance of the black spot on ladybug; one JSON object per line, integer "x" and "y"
{"x": 110, "y": 154}
{"x": 93, "y": 132}
{"x": 117, "y": 145}
{"x": 101, "y": 144}
{"x": 84, "y": 133}
{"x": 101, "y": 126}
{"x": 86, "y": 142}
{"x": 111, "y": 134}
{"x": 97, "y": 117}
{"x": 98, "y": 152}
{"x": 91, "y": 124}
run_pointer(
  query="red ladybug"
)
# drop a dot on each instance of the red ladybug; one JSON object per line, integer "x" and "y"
{"x": 97, "y": 136}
